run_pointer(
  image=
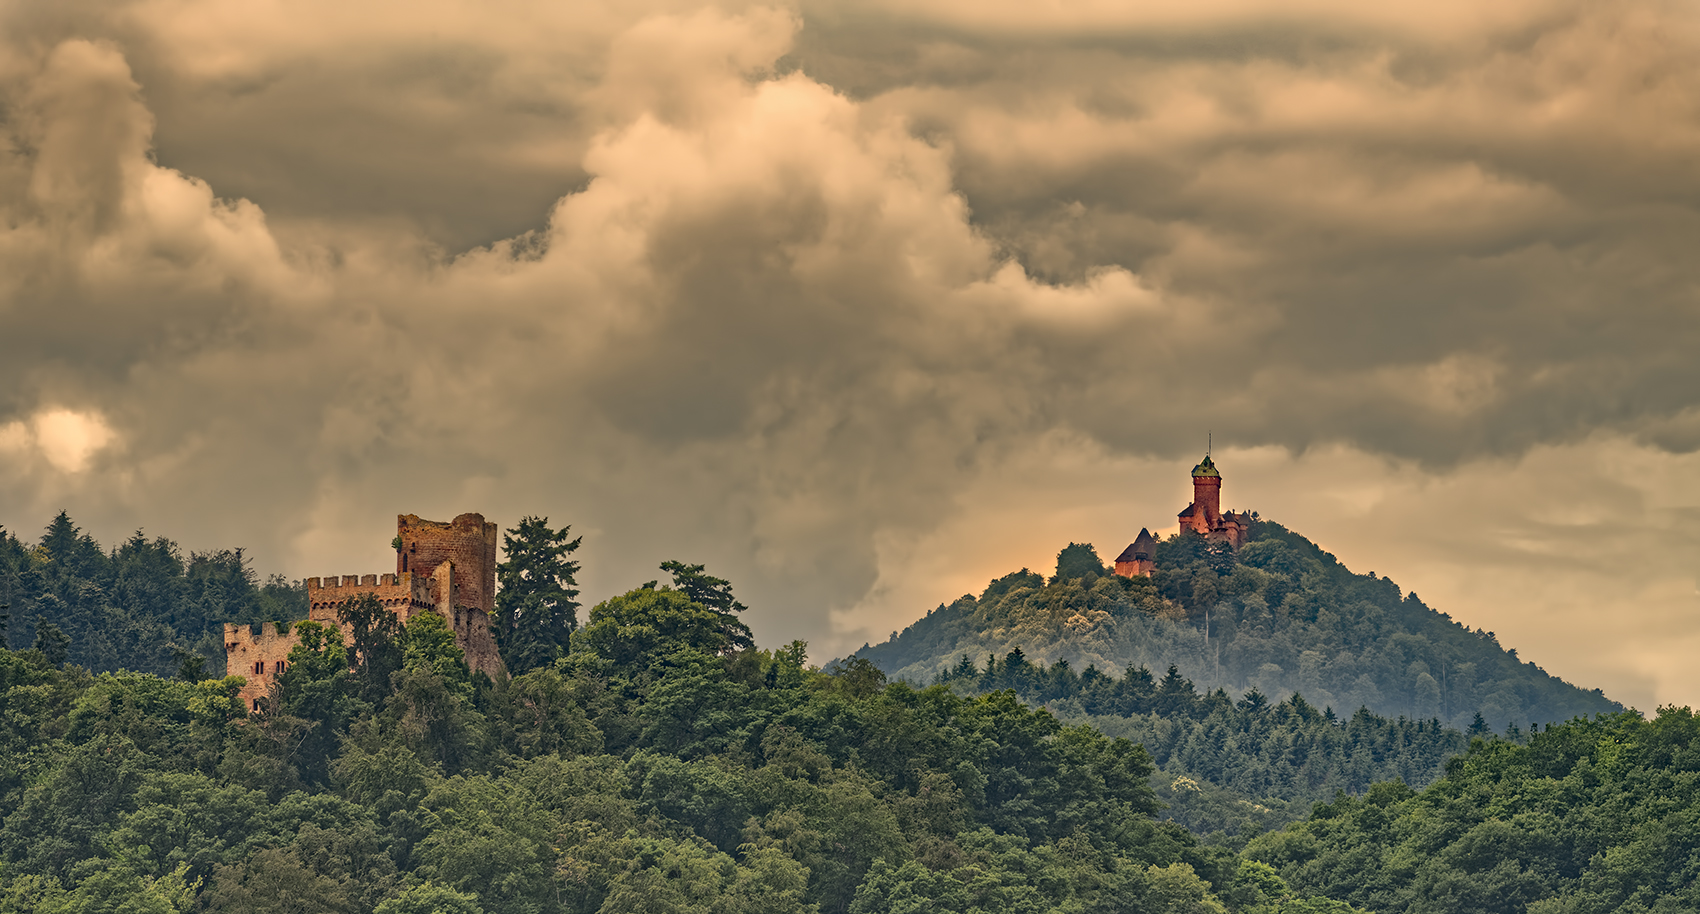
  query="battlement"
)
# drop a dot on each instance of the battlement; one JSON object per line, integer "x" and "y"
{"x": 448, "y": 569}
{"x": 258, "y": 652}
{"x": 393, "y": 590}
{"x": 353, "y": 580}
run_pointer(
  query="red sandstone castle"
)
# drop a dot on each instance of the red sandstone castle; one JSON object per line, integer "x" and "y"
{"x": 449, "y": 569}
{"x": 1204, "y": 517}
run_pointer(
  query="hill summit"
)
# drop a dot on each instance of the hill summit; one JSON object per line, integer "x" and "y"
{"x": 1277, "y": 615}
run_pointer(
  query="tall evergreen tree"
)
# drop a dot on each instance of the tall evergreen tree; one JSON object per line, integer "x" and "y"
{"x": 535, "y": 609}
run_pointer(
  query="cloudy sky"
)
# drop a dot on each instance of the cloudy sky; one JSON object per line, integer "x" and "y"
{"x": 863, "y": 303}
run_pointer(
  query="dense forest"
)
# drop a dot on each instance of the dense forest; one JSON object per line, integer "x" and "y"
{"x": 141, "y": 606}
{"x": 1229, "y": 769}
{"x": 654, "y": 767}
{"x": 1586, "y": 818}
{"x": 1280, "y": 615}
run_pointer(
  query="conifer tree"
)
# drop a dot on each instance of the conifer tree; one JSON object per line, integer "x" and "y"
{"x": 535, "y": 609}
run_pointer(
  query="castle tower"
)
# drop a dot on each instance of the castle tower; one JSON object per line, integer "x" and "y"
{"x": 1206, "y": 507}
{"x": 467, "y": 542}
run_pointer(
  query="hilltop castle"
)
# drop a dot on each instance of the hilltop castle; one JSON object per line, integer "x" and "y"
{"x": 449, "y": 569}
{"x": 1203, "y": 517}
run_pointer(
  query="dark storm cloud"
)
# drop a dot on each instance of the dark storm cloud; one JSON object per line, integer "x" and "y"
{"x": 822, "y": 296}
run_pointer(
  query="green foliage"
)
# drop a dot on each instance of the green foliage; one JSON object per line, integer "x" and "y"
{"x": 377, "y": 646}
{"x": 535, "y": 587}
{"x": 141, "y": 606}
{"x": 431, "y": 898}
{"x": 640, "y": 627}
{"x": 1079, "y": 562}
{"x": 1590, "y": 816}
{"x": 715, "y": 594}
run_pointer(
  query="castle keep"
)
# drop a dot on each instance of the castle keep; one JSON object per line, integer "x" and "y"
{"x": 1204, "y": 517}
{"x": 448, "y": 569}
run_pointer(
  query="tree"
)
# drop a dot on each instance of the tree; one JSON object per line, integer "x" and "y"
{"x": 535, "y": 609}
{"x": 431, "y": 898}
{"x": 1079, "y": 561}
{"x": 376, "y": 647}
{"x": 716, "y": 594}
{"x": 639, "y": 627}
{"x": 53, "y": 643}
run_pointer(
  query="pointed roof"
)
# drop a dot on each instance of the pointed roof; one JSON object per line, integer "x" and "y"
{"x": 1189, "y": 510}
{"x": 1142, "y": 548}
{"x": 1206, "y": 467}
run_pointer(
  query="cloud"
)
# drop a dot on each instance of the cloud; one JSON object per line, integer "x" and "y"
{"x": 859, "y": 304}
{"x": 65, "y": 439}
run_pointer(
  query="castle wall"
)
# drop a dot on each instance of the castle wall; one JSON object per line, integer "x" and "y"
{"x": 448, "y": 569}
{"x": 1135, "y": 568}
{"x": 257, "y": 653}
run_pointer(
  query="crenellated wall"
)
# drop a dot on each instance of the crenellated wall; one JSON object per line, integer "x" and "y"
{"x": 449, "y": 569}
{"x": 257, "y": 652}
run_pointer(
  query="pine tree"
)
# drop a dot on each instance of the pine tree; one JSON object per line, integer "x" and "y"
{"x": 535, "y": 609}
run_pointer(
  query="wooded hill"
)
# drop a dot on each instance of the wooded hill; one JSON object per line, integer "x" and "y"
{"x": 1280, "y": 616}
{"x": 655, "y": 767}
{"x": 654, "y": 760}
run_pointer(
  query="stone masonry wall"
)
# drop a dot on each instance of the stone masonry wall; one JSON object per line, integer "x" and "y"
{"x": 467, "y": 541}
{"x": 257, "y": 652}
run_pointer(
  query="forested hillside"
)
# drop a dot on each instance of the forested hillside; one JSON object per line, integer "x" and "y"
{"x": 656, "y": 767}
{"x": 142, "y": 605}
{"x": 1227, "y": 768}
{"x": 1586, "y": 818}
{"x": 1280, "y": 616}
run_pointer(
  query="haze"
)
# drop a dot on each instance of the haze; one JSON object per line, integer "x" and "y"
{"x": 864, "y": 304}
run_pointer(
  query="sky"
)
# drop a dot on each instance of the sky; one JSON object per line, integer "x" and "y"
{"x": 863, "y": 304}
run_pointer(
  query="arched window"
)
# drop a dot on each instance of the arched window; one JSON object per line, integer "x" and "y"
{"x": 260, "y": 667}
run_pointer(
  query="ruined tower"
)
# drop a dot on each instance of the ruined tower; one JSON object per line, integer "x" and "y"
{"x": 445, "y": 568}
